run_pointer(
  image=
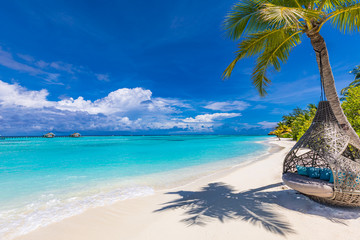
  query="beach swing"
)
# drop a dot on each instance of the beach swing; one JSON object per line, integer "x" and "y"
{"x": 323, "y": 164}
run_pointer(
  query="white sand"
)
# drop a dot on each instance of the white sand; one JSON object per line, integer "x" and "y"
{"x": 249, "y": 202}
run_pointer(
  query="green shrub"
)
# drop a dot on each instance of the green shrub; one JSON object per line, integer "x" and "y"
{"x": 351, "y": 107}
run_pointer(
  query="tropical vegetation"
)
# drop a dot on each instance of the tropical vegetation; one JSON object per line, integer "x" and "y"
{"x": 299, "y": 120}
{"x": 281, "y": 130}
{"x": 270, "y": 29}
{"x": 351, "y": 106}
{"x": 356, "y": 82}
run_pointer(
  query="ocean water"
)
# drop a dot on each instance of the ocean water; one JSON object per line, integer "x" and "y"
{"x": 46, "y": 180}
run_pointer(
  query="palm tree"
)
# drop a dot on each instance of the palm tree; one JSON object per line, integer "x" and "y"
{"x": 355, "y": 83}
{"x": 269, "y": 29}
{"x": 356, "y": 72}
{"x": 280, "y": 130}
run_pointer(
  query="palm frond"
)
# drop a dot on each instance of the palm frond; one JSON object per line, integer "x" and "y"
{"x": 354, "y": 83}
{"x": 308, "y": 4}
{"x": 292, "y": 3}
{"x": 330, "y": 5}
{"x": 271, "y": 28}
{"x": 272, "y": 57}
{"x": 346, "y": 18}
{"x": 257, "y": 42}
{"x": 356, "y": 72}
{"x": 283, "y": 16}
{"x": 285, "y": 3}
{"x": 253, "y": 44}
{"x": 244, "y": 18}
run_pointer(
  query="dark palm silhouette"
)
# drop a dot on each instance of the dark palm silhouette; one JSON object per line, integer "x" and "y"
{"x": 219, "y": 201}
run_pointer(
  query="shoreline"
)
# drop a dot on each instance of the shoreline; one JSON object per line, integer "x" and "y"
{"x": 249, "y": 201}
{"x": 214, "y": 169}
{"x": 209, "y": 175}
{"x": 130, "y": 188}
{"x": 70, "y": 205}
{"x": 150, "y": 183}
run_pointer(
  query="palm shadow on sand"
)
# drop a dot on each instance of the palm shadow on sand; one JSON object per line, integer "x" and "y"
{"x": 219, "y": 201}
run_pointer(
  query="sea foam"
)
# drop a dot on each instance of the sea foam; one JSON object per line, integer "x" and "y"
{"x": 51, "y": 208}
{"x": 43, "y": 181}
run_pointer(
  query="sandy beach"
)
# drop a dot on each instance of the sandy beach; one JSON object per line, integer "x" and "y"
{"x": 246, "y": 202}
{"x": 179, "y": 120}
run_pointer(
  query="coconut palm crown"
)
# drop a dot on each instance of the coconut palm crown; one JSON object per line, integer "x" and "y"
{"x": 270, "y": 29}
{"x": 355, "y": 83}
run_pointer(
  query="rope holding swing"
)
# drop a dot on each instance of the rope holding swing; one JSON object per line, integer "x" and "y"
{"x": 322, "y": 94}
{"x": 324, "y": 148}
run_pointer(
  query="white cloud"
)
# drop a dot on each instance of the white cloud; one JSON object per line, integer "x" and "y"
{"x": 267, "y": 125}
{"x": 42, "y": 64}
{"x": 14, "y": 94}
{"x": 7, "y": 60}
{"x": 126, "y": 109}
{"x": 61, "y": 66}
{"x": 123, "y": 100}
{"x": 102, "y": 77}
{"x": 208, "y": 118}
{"x": 27, "y": 58}
{"x": 228, "y": 106}
{"x": 121, "y": 110}
{"x": 51, "y": 71}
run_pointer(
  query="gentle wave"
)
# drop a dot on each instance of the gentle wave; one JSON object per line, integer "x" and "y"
{"x": 50, "y": 209}
{"x": 60, "y": 178}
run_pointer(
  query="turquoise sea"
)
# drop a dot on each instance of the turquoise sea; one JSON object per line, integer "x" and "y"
{"x": 46, "y": 180}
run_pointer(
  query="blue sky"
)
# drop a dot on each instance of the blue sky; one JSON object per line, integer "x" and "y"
{"x": 144, "y": 67}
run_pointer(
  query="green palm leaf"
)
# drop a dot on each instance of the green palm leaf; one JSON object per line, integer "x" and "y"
{"x": 271, "y": 28}
{"x": 273, "y": 56}
{"x": 347, "y": 18}
{"x": 243, "y": 19}
{"x": 356, "y": 72}
{"x": 281, "y": 16}
{"x": 252, "y": 45}
{"x": 355, "y": 83}
{"x": 329, "y": 5}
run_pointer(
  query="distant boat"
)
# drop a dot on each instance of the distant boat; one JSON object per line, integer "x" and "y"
{"x": 49, "y": 135}
{"x": 75, "y": 135}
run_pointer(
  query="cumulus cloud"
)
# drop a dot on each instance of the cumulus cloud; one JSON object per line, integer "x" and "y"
{"x": 208, "y": 118}
{"x": 227, "y": 106}
{"x": 14, "y": 94}
{"x": 123, "y": 100}
{"x": 126, "y": 109}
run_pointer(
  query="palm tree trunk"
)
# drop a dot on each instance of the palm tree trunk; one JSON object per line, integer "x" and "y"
{"x": 319, "y": 46}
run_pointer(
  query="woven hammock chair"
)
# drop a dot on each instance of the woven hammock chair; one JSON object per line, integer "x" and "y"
{"x": 325, "y": 145}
